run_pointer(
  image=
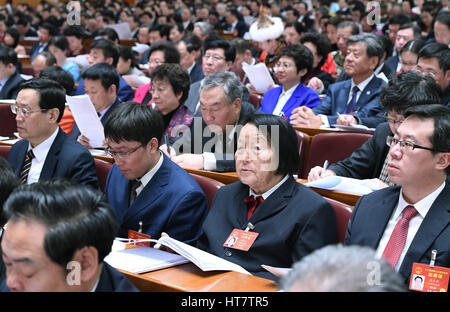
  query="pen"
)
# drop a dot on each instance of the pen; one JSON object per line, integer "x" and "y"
{"x": 325, "y": 167}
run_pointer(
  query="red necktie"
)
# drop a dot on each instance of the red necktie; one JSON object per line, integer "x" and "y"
{"x": 252, "y": 204}
{"x": 397, "y": 240}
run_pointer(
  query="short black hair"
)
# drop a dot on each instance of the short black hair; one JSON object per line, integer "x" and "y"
{"x": 439, "y": 51}
{"x": 416, "y": 30}
{"x": 60, "y": 42}
{"x": 8, "y": 56}
{"x": 8, "y": 182}
{"x": 103, "y": 72}
{"x": 126, "y": 54}
{"x": 443, "y": 18}
{"x": 352, "y": 25}
{"x": 301, "y": 55}
{"x": 75, "y": 215}
{"x": 171, "y": 54}
{"x": 75, "y": 31}
{"x": 109, "y": 49}
{"x": 52, "y": 31}
{"x": 399, "y": 19}
{"x": 287, "y": 143}
{"x": 409, "y": 89}
{"x": 110, "y": 33}
{"x": 50, "y": 59}
{"x": 321, "y": 42}
{"x": 132, "y": 121}
{"x": 176, "y": 75}
{"x": 441, "y": 117}
{"x": 193, "y": 43}
{"x": 299, "y": 28}
{"x": 228, "y": 49}
{"x": 52, "y": 94}
{"x": 414, "y": 46}
{"x": 163, "y": 29}
{"x": 15, "y": 34}
{"x": 61, "y": 76}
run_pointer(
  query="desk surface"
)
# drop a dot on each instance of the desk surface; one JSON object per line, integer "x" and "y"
{"x": 188, "y": 277}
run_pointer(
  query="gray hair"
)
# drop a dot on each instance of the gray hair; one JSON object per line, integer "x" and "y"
{"x": 228, "y": 80}
{"x": 373, "y": 45}
{"x": 205, "y": 28}
{"x": 338, "y": 268}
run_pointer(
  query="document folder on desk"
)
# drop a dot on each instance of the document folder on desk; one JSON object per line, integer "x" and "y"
{"x": 202, "y": 259}
{"x": 344, "y": 184}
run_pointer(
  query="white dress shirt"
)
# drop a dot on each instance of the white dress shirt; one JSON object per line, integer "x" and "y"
{"x": 149, "y": 175}
{"x": 422, "y": 206}
{"x": 40, "y": 154}
{"x": 282, "y": 100}
{"x": 269, "y": 192}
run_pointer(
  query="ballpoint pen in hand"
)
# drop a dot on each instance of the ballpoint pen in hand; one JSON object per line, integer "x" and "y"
{"x": 325, "y": 167}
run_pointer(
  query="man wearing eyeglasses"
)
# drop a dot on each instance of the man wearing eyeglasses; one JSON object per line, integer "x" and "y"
{"x": 406, "y": 222}
{"x": 45, "y": 151}
{"x": 434, "y": 61}
{"x": 370, "y": 160}
{"x": 147, "y": 191}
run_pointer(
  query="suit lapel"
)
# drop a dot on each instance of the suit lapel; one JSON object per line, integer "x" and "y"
{"x": 437, "y": 218}
{"x": 342, "y": 97}
{"x": 368, "y": 92}
{"x": 52, "y": 157}
{"x": 292, "y": 101}
{"x": 21, "y": 152}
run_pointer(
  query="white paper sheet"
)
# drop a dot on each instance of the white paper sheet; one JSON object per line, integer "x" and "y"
{"x": 87, "y": 119}
{"x": 122, "y": 29}
{"x": 344, "y": 184}
{"x": 259, "y": 76}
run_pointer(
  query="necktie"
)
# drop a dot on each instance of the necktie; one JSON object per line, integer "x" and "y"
{"x": 133, "y": 193}
{"x": 351, "y": 106}
{"x": 26, "y": 167}
{"x": 252, "y": 204}
{"x": 397, "y": 240}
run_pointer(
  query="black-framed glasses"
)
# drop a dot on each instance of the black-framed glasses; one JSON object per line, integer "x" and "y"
{"x": 121, "y": 155}
{"x": 405, "y": 145}
{"x": 394, "y": 121}
{"x": 25, "y": 112}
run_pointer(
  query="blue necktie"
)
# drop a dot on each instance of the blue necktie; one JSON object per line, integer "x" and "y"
{"x": 351, "y": 106}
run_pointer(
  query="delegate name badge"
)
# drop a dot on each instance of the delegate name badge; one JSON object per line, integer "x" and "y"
{"x": 136, "y": 235}
{"x": 240, "y": 239}
{"x": 427, "y": 278}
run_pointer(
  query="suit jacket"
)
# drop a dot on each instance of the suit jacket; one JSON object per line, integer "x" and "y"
{"x": 124, "y": 94}
{"x": 35, "y": 49}
{"x": 171, "y": 202}
{"x": 302, "y": 96}
{"x": 12, "y": 86}
{"x": 367, "y": 109}
{"x": 372, "y": 213}
{"x": 194, "y": 97}
{"x": 292, "y": 222}
{"x": 367, "y": 161}
{"x": 196, "y": 73}
{"x": 112, "y": 280}
{"x": 76, "y": 132}
{"x": 65, "y": 159}
{"x": 392, "y": 63}
{"x": 197, "y": 141}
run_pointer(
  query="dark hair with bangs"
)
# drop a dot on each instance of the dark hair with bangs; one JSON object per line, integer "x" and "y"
{"x": 176, "y": 75}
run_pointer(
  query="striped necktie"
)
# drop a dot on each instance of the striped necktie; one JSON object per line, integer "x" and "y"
{"x": 26, "y": 167}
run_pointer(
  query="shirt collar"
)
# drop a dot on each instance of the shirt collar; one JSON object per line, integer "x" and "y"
{"x": 269, "y": 192}
{"x": 362, "y": 84}
{"x": 191, "y": 67}
{"x": 422, "y": 206}
{"x": 149, "y": 175}
{"x": 290, "y": 91}
{"x": 40, "y": 151}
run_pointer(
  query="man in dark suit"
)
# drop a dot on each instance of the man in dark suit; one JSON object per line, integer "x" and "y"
{"x": 148, "y": 191}
{"x": 189, "y": 47}
{"x": 405, "y": 223}
{"x": 354, "y": 101}
{"x": 101, "y": 84}
{"x": 210, "y": 142}
{"x": 10, "y": 78}
{"x": 45, "y": 151}
{"x": 218, "y": 57}
{"x": 235, "y": 23}
{"x": 370, "y": 161}
{"x": 58, "y": 234}
{"x": 105, "y": 51}
{"x": 46, "y": 32}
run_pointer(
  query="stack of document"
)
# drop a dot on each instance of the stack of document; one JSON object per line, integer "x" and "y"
{"x": 355, "y": 128}
{"x": 146, "y": 259}
{"x": 344, "y": 184}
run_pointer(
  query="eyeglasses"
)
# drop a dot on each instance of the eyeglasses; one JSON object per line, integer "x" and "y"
{"x": 394, "y": 121}
{"x": 156, "y": 62}
{"x": 121, "y": 155}
{"x": 214, "y": 57}
{"x": 405, "y": 145}
{"x": 284, "y": 65}
{"x": 24, "y": 112}
{"x": 426, "y": 73}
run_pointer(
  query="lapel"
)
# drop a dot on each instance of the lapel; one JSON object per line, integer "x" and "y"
{"x": 379, "y": 219}
{"x": 4, "y": 93}
{"x": 369, "y": 91}
{"x": 51, "y": 161}
{"x": 292, "y": 101}
{"x": 437, "y": 218}
{"x": 109, "y": 111}
{"x": 342, "y": 97}
{"x": 21, "y": 152}
{"x": 150, "y": 192}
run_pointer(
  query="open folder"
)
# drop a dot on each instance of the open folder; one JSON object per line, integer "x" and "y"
{"x": 146, "y": 259}
{"x": 344, "y": 184}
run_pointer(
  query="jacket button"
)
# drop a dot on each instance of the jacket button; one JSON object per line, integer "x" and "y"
{"x": 228, "y": 253}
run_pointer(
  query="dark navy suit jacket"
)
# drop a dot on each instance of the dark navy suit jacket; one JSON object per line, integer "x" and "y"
{"x": 196, "y": 73}
{"x": 124, "y": 94}
{"x": 367, "y": 109}
{"x": 66, "y": 159}
{"x": 302, "y": 96}
{"x": 12, "y": 86}
{"x": 171, "y": 202}
{"x": 372, "y": 213}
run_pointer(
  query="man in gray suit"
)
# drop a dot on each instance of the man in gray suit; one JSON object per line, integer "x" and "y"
{"x": 210, "y": 142}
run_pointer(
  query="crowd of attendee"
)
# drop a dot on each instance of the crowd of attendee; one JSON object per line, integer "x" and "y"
{"x": 179, "y": 97}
